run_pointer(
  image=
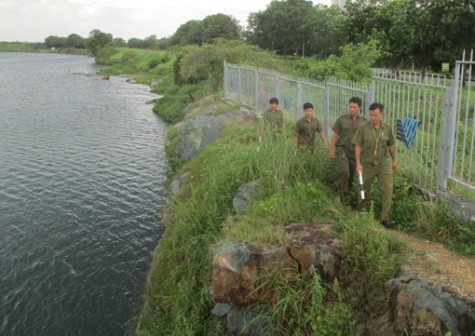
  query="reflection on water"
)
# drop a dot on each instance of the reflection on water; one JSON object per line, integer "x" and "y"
{"x": 81, "y": 172}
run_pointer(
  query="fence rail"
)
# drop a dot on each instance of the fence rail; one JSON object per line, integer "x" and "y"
{"x": 439, "y": 155}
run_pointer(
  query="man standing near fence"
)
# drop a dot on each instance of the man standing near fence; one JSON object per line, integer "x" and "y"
{"x": 306, "y": 130}
{"x": 343, "y": 150}
{"x": 272, "y": 122}
{"x": 373, "y": 141}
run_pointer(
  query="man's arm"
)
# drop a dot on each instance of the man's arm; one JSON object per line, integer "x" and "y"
{"x": 324, "y": 138}
{"x": 335, "y": 138}
{"x": 359, "y": 167}
{"x": 392, "y": 152}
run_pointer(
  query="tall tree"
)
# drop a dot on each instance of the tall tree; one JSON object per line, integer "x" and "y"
{"x": 97, "y": 40}
{"x": 76, "y": 41}
{"x": 191, "y": 32}
{"x": 220, "y": 26}
{"x": 281, "y": 26}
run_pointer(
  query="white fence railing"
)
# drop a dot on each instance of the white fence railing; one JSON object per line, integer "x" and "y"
{"x": 440, "y": 146}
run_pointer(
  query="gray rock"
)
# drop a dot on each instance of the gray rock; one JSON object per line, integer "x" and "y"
{"x": 221, "y": 309}
{"x": 177, "y": 183}
{"x": 419, "y": 308}
{"x": 198, "y": 132}
{"x": 250, "y": 323}
{"x": 245, "y": 195}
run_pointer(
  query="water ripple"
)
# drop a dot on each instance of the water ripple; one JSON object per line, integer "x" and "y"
{"x": 80, "y": 182}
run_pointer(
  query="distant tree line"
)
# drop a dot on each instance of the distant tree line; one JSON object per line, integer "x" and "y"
{"x": 420, "y": 32}
{"x": 426, "y": 32}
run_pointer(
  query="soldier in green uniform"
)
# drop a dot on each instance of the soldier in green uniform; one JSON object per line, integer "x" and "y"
{"x": 373, "y": 142}
{"x": 343, "y": 150}
{"x": 306, "y": 130}
{"x": 272, "y": 121}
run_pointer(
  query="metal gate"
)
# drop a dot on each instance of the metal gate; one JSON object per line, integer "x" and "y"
{"x": 458, "y": 135}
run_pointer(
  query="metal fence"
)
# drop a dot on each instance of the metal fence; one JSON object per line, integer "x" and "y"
{"x": 440, "y": 156}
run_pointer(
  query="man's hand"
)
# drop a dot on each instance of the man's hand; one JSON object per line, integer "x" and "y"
{"x": 359, "y": 168}
{"x": 331, "y": 153}
{"x": 394, "y": 165}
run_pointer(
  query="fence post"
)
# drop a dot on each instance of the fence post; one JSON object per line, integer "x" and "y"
{"x": 256, "y": 76}
{"x": 226, "y": 88}
{"x": 277, "y": 87}
{"x": 326, "y": 112}
{"x": 239, "y": 84}
{"x": 447, "y": 138}
{"x": 299, "y": 100}
{"x": 371, "y": 97}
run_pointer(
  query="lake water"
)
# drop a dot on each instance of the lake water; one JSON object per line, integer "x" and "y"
{"x": 81, "y": 170}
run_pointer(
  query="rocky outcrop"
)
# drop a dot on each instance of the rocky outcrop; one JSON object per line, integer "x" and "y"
{"x": 415, "y": 306}
{"x": 237, "y": 266}
{"x": 204, "y": 129}
{"x": 245, "y": 195}
{"x": 420, "y": 309}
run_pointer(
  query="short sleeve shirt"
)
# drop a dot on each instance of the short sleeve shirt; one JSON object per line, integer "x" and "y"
{"x": 373, "y": 142}
{"x": 346, "y": 128}
{"x": 273, "y": 121}
{"x": 305, "y": 131}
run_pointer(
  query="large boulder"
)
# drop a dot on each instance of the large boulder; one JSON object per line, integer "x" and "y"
{"x": 237, "y": 266}
{"x": 204, "y": 129}
{"x": 421, "y": 309}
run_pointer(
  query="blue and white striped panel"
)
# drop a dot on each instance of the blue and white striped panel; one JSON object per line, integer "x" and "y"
{"x": 407, "y": 130}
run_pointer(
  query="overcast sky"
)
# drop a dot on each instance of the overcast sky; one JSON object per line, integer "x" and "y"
{"x": 34, "y": 20}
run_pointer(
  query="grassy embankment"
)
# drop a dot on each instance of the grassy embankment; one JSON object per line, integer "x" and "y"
{"x": 294, "y": 188}
{"x": 39, "y": 48}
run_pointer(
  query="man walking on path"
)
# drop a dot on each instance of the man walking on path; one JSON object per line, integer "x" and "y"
{"x": 343, "y": 150}
{"x": 306, "y": 129}
{"x": 373, "y": 141}
{"x": 272, "y": 122}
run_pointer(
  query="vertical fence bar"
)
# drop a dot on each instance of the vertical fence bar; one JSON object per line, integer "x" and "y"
{"x": 225, "y": 80}
{"x": 327, "y": 110}
{"x": 256, "y": 91}
{"x": 446, "y": 139}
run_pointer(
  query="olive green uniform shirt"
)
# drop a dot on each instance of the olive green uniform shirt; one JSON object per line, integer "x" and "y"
{"x": 305, "y": 132}
{"x": 373, "y": 142}
{"x": 346, "y": 128}
{"x": 273, "y": 121}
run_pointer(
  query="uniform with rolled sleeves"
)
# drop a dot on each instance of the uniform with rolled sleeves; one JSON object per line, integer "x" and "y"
{"x": 374, "y": 145}
{"x": 346, "y": 128}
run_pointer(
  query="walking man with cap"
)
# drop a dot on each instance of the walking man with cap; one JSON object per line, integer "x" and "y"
{"x": 373, "y": 141}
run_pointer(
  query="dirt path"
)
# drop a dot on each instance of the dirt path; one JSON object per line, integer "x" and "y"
{"x": 439, "y": 266}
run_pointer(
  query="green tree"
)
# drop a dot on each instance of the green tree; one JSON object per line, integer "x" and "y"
{"x": 55, "y": 42}
{"x": 220, "y": 26}
{"x": 76, "y": 41}
{"x": 190, "y": 32}
{"x": 151, "y": 42}
{"x": 326, "y": 36}
{"x": 119, "y": 42}
{"x": 282, "y": 26}
{"x": 98, "y": 40}
{"x": 135, "y": 43}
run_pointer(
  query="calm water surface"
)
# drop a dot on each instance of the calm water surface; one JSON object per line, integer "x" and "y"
{"x": 81, "y": 171}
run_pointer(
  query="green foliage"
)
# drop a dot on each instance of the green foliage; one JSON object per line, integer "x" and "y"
{"x": 19, "y": 46}
{"x": 98, "y": 40}
{"x": 177, "y": 303}
{"x": 302, "y": 307}
{"x": 207, "y": 61}
{"x": 354, "y": 63}
{"x": 370, "y": 257}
